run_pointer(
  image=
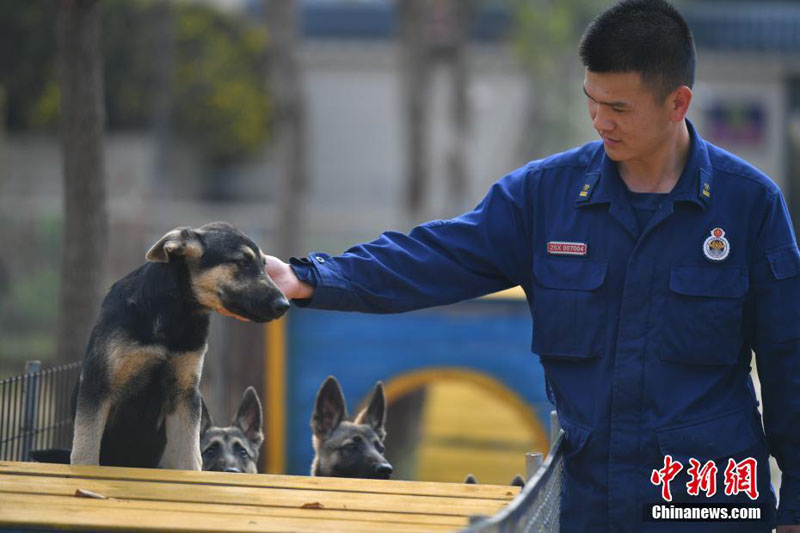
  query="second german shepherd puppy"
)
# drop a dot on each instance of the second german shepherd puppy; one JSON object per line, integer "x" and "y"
{"x": 233, "y": 448}
{"x": 348, "y": 449}
{"x": 138, "y": 399}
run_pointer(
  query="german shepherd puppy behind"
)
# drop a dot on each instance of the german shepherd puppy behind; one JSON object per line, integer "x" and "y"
{"x": 516, "y": 481}
{"x": 233, "y": 448}
{"x": 138, "y": 400}
{"x": 348, "y": 449}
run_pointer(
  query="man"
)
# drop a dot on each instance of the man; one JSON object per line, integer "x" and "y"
{"x": 653, "y": 263}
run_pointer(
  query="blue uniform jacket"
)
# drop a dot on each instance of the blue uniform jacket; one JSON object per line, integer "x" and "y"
{"x": 645, "y": 340}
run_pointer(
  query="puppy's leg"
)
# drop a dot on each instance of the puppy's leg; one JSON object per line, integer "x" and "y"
{"x": 184, "y": 413}
{"x": 90, "y": 421}
{"x": 106, "y": 379}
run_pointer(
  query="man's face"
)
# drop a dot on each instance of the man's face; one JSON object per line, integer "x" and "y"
{"x": 627, "y": 115}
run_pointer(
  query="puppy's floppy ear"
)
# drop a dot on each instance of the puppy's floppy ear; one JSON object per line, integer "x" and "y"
{"x": 375, "y": 413}
{"x": 180, "y": 241}
{"x": 249, "y": 417}
{"x": 329, "y": 408}
{"x": 205, "y": 420}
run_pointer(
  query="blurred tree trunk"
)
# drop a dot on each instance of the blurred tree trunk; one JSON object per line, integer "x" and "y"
{"x": 289, "y": 125}
{"x": 416, "y": 99}
{"x": 85, "y": 227}
{"x": 163, "y": 64}
{"x": 462, "y": 12}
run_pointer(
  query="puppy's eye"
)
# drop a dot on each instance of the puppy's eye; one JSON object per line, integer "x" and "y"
{"x": 379, "y": 446}
{"x": 211, "y": 451}
{"x": 243, "y": 261}
{"x": 242, "y": 453}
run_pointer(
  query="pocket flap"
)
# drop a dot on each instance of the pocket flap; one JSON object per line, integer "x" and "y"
{"x": 570, "y": 273}
{"x": 721, "y": 437}
{"x": 710, "y": 281}
{"x": 784, "y": 261}
{"x": 576, "y": 436}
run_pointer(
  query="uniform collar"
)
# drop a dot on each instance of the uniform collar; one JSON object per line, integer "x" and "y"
{"x": 603, "y": 184}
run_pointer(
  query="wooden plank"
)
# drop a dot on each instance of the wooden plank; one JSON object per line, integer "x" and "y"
{"x": 60, "y": 512}
{"x": 287, "y": 512}
{"x": 459, "y": 490}
{"x": 268, "y": 497}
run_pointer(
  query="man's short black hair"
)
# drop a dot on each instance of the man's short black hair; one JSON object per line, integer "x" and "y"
{"x": 648, "y": 37}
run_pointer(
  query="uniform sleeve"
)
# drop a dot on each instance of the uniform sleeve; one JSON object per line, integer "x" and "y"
{"x": 483, "y": 251}
{"x": 776, "y": 297}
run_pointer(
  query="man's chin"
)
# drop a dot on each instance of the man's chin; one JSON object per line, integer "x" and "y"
{"x": 613, "y": 152}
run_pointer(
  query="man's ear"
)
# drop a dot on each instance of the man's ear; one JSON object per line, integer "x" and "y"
{"x": 249, "y": 417}
{"x": 679, "y": 101}
{"x": 375, "y": 413}
{"x": 180, "y": 241}
{"x": 329, "y": 408}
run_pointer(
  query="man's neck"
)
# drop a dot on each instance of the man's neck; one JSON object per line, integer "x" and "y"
{"x": 661, "y": 170}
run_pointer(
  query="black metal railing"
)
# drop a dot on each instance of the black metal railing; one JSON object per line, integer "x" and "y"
{"x": 36, "y": 410}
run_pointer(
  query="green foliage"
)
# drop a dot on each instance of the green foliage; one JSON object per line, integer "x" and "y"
{"x": 27, "y": 59}
{"x": 28, "y": 299}
{"x": 220, "y": 83}
{"x": 219, "y": 94}
{"x": 546, "y": 40}
{"x": 545, "y": 29}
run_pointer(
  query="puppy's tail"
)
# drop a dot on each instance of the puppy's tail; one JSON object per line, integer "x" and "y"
{"x": 52, "y": 455}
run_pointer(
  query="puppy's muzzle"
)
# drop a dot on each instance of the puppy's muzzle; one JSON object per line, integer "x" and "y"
{"x": 383, "y": 471}
{"x": 280, "y": 306}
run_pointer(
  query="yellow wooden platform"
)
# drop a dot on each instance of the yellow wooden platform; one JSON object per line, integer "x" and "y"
{"x": 44, "y": 496}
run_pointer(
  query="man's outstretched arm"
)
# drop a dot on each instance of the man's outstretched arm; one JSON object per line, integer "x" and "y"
{"x": 440, "y": 262}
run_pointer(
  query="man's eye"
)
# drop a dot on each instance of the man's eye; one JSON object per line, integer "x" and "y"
{"x": 617, "y": 110}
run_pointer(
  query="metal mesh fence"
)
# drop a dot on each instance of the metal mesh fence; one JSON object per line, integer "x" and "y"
{"x": 36, "y": 410}
{"x": 538, "y": 506}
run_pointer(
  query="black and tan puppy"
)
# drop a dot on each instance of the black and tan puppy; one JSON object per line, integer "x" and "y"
{"x": 138, "y": 401}
{"x": 348, "y": 449}
{"x": 233, "y": 448}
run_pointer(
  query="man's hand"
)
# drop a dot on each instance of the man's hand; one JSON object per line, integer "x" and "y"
{"x": 284, "y": 277}
{"x": 788, "y": 529}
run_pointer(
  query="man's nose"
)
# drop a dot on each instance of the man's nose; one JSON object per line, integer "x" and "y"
{"x": 600, "y": 119}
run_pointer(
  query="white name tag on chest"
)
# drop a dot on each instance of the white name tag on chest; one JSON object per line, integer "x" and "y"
{"x": 567, "y": 248}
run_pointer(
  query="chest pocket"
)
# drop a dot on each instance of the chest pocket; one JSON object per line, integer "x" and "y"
{"x": 568, "y": 309}
{"x": 702, "y": 322}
